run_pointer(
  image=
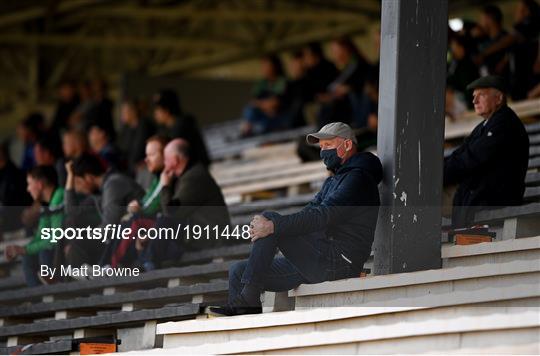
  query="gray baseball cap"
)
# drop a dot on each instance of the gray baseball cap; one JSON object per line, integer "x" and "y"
{"x": 331, "y": 130}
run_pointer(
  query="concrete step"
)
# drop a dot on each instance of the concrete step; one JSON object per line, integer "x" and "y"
{"x": 434, "y": 288}
{"x": 491, "y": 252}
{"x": 360, "y": 330}
{"x": 485, "y": 300}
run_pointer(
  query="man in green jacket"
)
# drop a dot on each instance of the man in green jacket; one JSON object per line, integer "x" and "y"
{"x": 43, "y": 187}
{"x": 150, "y": 204}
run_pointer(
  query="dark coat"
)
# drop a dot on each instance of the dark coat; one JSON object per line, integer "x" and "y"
{"x": 194, "y": 198}
{"x": 345, "y": 209}
{"x": 489, "y": 167}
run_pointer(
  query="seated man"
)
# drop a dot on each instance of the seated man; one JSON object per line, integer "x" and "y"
{"x": 43, "y": 187}
{"x": 150, "y": 204}
{"x": 142, "y": 213}
{"x": 190, "y": 196}
{"x": 491, "y": 164}
{"x": 88, "y": 177}
{"x": 328, "y": 239}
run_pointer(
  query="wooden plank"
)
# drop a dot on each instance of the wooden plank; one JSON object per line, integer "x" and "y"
{"x": 276, "y": 184}
{"x": 266, "y": 175}
{"x": 236, "y": 169}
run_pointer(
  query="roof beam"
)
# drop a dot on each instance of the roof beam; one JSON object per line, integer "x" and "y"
{"x": 42, "y": 11}
{"x": 111, "y": 42}
{"x": 223, "y": 15}
{"x": 293, "y": 41}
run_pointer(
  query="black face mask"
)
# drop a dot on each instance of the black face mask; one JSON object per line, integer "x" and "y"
{"x": 331, "y": 159}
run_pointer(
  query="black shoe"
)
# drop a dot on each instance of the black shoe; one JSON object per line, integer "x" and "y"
{"x": 238, "y": 307}
{"x": 228, "y": 310}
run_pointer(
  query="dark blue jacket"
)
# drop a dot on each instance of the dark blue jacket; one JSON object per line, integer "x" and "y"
{"x": 345, "y": 209}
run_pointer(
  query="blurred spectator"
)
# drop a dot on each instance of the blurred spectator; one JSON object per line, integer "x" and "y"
{"x": 522, "y": 45}
{"x": 81, "y": 210}
{"x": 189, "y": 184}
{"x": 68, "y": 100}
{"x": 79, "y": 118}
{"x": 525, "y": 40}
{"x": 344, "y": 99}
{"x": 42, "y": 186}
{"x": 535, "y": 91}
{"x": 461, "y": 70}
{"x": 367, "y": 136}
{"x": 102, "y": 145}
{"x": 173, "y": 123}
{"x": 266, "y": 112}
{"x": 13, "y": 195}
{"x": 493, "y": 61}
{"x": 320, "y": 72}
{"x": 134, "y": 132}
{"x": 74, "y": 144}
{"x": 47, "y": 152}
{"x": 149, "y": 205}
{"x": 28, "y": 131}
{"x": 298, "y": 90}
{"x": 116, "y": 189}
{"x": 143, "y": 212}
{"x": 88, "y": 176}
{"x": 190, "y": 196}
{"x": 100, "y": 112}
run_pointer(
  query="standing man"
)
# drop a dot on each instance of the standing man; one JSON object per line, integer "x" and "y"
{"x": 329, "y": 239}
{"x": 491, "y": 164}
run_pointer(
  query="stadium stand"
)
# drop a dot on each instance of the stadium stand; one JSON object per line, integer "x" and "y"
{"x": 54, "y": 318}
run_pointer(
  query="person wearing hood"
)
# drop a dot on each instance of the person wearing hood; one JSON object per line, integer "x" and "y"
{"x": 329, "y": 239}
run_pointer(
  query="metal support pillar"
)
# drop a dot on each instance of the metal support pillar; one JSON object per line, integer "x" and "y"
{"x": 411, "y": 133}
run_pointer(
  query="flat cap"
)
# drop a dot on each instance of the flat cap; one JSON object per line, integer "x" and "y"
{"x": 489, "y": 81}
{"x": 331, "y": 130}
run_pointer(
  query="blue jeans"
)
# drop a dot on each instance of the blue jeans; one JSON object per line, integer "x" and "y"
{"x": 161, "y": 250}
{"x": 310, "y": 258}
{"x": 262, "y": 123}
{"x": 32, "y": 266}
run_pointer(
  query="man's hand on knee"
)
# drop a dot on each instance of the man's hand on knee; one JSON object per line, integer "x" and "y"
{"x": 260, "y": 227}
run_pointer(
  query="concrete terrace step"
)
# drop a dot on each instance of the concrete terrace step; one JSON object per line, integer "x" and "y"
{"x": 189, "y": 259}
{"x": 153, "y": 279}
{"x": 532, "y": 179}
{"x": 507, "y": 212}
{"x": 471, "y": 307}
{"x": 52, "y": 327}
{"x": 531, "y": 193}
{"x": 232, "y": 149}
{"x": 355, "y": 330}
{"x": 11, "y": 283}
{"x": 450, "y": 286}
{"x": 491, "y": 252}
{"x": 125, "y": 300}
